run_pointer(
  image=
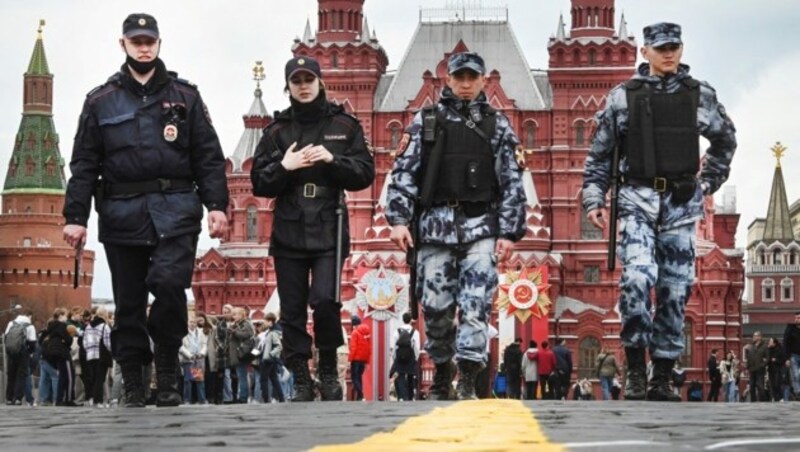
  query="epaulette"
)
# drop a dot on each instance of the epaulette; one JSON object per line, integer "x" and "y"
{"x": 182, "y": 81}
{"x": 113, "y": 80}
{"x": 705, "y": 84}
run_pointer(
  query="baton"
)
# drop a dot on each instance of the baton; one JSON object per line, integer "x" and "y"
{"x": 78, "y": 259}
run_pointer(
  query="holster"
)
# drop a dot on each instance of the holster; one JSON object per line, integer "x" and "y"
{"x": 683, "y": 189}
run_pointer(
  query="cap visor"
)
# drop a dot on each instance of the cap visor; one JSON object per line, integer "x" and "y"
{"x": 141, "y": 32}
{"x": 298, "y": 70}
{"x": 665, "y": 42}
{"x": 469, "y": 67}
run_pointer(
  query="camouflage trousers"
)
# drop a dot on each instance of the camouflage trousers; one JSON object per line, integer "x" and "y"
{"x": 655, "y": 259}
{"x": 463, "y": 277}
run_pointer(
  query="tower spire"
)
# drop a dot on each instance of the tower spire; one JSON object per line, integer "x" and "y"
{"x": 623, "y": 27}
{"x": 307, "y": 33}
{"x": 779, "y": 224}
{"x": 561, "y": 34}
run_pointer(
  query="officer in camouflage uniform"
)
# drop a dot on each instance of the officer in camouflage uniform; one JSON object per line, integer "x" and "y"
{"x": 656, "y": 118}
{"x": 471, "y": 221}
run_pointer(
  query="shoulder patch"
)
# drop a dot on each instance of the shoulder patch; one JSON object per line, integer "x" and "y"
{"x": 403, "y": 145}
{"x": 519, "y": 156}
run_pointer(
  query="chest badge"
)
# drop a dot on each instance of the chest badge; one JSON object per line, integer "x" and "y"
{"x": 170, "y": 133}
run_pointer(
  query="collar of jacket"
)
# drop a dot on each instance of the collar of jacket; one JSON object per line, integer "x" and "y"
{"x": 643, "y": 74}
{"x": 449, "y": 99}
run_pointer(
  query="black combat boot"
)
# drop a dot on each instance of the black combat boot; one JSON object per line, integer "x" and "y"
{"x": 442, "y": 387}
{"x": 659, "y": 389}
{"x": 635, "y": 374}
{"x": 303, "y": 385}
{"x": 132, "y": 382}
{"x": 329, "y": 387}
{"x": 166, "y": 360}
{"x": 467, "y": 373}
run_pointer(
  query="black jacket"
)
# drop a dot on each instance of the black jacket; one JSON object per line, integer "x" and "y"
{"x": 791, "y": 339}
{"x": 121, "y": 139}
{"x": 512, "y": 357}
{"x": 306, "y": 226}
{"x": 56, "y": 342}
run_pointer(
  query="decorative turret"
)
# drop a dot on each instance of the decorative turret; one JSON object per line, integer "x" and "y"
{"x": 36, "y": 165}
{"x": 561, "y": 34}
{"x": 255, "y": 121}
{"x": 779, "y": 224}
{"x": 592, "y": 18}
{"x": 340, "y": 20}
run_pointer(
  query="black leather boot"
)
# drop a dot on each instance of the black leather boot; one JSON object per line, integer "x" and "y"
{"x": 442, "y": 387}
{"x": 133, "y": 384}
{"x": 467, "y": 373}
{"x": 659, "y": 389}
{"x": 303, "y": 385}
{"x": 635, "y": 374}
{"x": 166, "y": 360}
{"x": 329, "y": 386}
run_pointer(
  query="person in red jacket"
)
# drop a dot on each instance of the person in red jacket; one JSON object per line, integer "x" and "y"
{"x": 547, "y": 365}
{"x": 360, "y": 353}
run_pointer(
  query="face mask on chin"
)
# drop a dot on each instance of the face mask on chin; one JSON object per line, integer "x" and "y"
{"x": 141, "y": 67}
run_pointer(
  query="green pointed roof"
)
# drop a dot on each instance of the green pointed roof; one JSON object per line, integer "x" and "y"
{"x": 38, "y": 64}
{"x": 779, "y": 222}
{"x": 36, "y": 165}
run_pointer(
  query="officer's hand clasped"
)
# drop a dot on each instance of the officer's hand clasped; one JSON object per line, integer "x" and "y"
{"x": 306, "y": 157}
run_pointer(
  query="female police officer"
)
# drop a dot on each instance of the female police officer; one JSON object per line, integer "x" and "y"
{"x": 307, "y": 157}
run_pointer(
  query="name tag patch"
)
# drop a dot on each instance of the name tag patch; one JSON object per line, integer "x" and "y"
{"x": 335, "y": 137}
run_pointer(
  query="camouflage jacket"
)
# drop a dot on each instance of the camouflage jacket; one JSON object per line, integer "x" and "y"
{"x": 444, "y": 225}
{"x": 712, "y": 123}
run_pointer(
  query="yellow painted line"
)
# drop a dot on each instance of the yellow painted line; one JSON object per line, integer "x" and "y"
{"x": 475, "y": 425}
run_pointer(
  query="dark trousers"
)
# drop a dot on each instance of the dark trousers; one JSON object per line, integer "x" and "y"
{"x": 530, "y": 390}
{"x": 97, "y": 378}
{"x": 18, "y": 370}
{"x": 757, "y": 392}
{"x": 165, "y": 270}
{"x": 356, "y": 372}
{"x": 775, "y": 381}
{"x": 211, "y": 385}
{"x": 296, "y": 295}
{"x": 514, "y": 385}
{"x": 713, "y": 393}
{"x": 561, "y": 386}
{"x": 270, "y": 382}
{"x": 66, "y": 381}
{"x": 404, "y": 385}
{"x": 482, "y": 386}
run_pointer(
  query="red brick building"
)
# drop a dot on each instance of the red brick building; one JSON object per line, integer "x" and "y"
{"x": 36, "y": 265}
{"x": 552, "y": 112}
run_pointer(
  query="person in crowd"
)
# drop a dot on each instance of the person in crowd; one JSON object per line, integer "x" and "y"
{"x": 271, "y": 349}
{"x": 530, "y": 370}
{"x": 757, "y": 358}
{"x": 97, "y": 340}
{"x": 512, "y": 357}
{"x": 241, "y": 341}
{"x": 776, "y": 362}
{"x": 405, "y": 357}
{"x": 19, "y": 342}
{"x": 56, "y": 343}
{"x": 607, "y": 369}
{"x": 192, "y": 355}
{"x": 360, "y": 354}
{"x": 715, "y": 376}
{"x": 563, "y": 368}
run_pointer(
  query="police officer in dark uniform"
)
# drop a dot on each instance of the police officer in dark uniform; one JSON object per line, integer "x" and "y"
{"x": 147, "y": 152}
{"x": 307, "y": 157}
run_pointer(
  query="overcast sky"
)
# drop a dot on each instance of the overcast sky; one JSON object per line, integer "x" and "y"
{"x": 745, "y": 48}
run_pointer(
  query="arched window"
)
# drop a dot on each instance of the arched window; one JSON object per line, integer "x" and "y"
{"x": 607, "y": 56}
{"x": 560, "y": 56}
{"x": 335, "y": 60}
{"x": 592, "y": 57}
{"x": 787, "y": 289}
{"x": 252, "y": 223}
{"x": 576, "y": 56}
{"x": 792, "y": 257}
{"x": 394, "y": 132}
{"x": 768, "y": 290}
{"x": 530, "y": 135}
{"x": 776, "y": 257}
{"x": 761, "y": 257}
{"x": 580, "y": 134}
{"x": 247, "y": 273}
{"x": 588, "y": 349}
{"x": 686, "y": 358}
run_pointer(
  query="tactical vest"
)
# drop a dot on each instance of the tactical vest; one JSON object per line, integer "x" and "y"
{"x": 662, "y": 138}
{"x": 466, "y": 173}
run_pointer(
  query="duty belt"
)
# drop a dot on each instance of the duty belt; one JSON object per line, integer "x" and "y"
{"x": 470, "y": 208}
{"x": 310, "y": 190}
{"x": 147, "y": 186}
{"x": 659, "y": 184}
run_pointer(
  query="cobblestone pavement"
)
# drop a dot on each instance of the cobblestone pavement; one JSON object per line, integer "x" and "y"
{"x": 611, "y": 426}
